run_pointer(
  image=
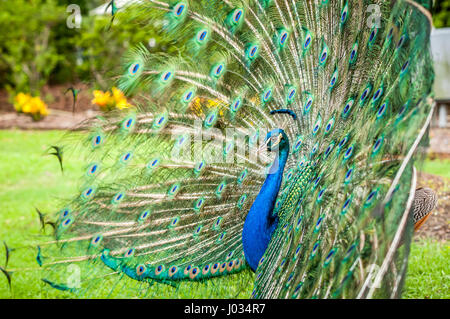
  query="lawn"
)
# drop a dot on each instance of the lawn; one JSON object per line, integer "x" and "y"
{"x": 439, "y": 167}
{"x": 30, "y": 179}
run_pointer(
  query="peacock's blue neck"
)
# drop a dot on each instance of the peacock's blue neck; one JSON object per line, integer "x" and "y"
{"x": 261, "y": 222}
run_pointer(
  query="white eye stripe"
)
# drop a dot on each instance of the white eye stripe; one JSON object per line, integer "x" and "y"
{"x": 277, "y": 140}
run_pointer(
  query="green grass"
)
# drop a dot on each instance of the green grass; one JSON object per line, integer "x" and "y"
{"x": 439, "y": 167}
{"x": 428, "y": 271}
{"x": 28, "y": 179}
{"x": 31, "y": 179}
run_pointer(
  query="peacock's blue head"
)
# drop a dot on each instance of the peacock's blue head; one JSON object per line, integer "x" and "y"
{"x": 277, "y": 140}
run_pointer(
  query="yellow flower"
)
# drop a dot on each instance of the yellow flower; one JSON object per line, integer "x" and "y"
{"x": 21, "y": 100}
{"x": 109, "y": 100}
{"x": 119, "y": 98}
{"x": 36, "y": 105}
{"x": 117, "y": 94}
{"x": 44, "y": 111}
{"x": 212, "y": 104}
{"x": 31, "y": 105}
{"x": 102, "y": 99}
{"x": 122, "y": 104}
{"x": 27, "y": 108}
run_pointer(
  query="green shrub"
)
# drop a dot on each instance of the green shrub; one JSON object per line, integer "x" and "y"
{"x": 28, "y": 49}
{"x": 441, "y": 14}
{"x": 37, "y": 47}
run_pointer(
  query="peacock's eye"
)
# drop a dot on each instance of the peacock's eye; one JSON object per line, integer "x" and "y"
{"x": 276, "y": 139}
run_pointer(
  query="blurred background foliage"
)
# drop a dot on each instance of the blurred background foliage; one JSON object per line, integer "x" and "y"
{"x": 37, "y": 47}
{"x": 441, "y": 13}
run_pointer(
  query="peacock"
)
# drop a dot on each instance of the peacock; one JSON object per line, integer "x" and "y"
{"x": 278, "y": 138}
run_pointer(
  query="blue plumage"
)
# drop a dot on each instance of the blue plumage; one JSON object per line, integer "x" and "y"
{"x": 261, "y": 221}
